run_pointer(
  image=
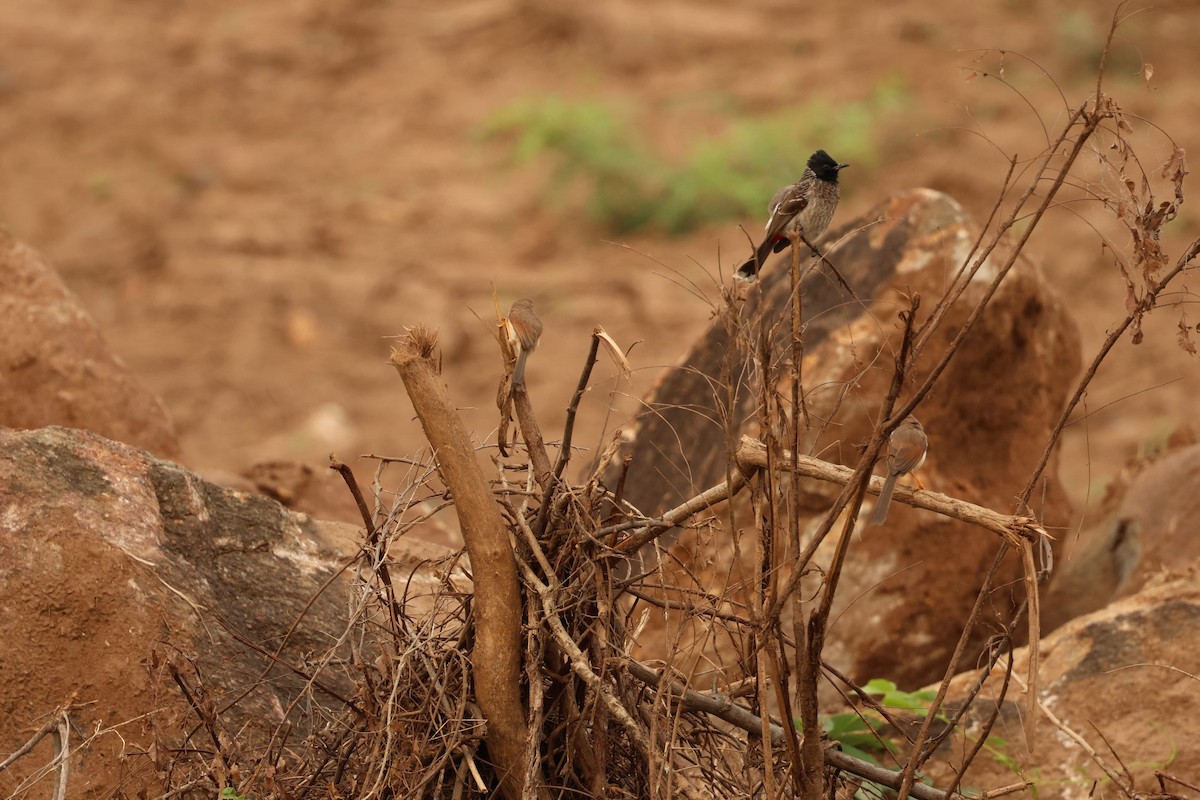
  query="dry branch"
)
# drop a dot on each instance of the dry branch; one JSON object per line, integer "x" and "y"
{"x": 579, "y": 663}
{"x": 376, "y": 545}
{"x": 58, "y": 727}
{"x": 564, "y": 451}
{"x": 531, "y": 432}
{"x": 645, "y": 531}
{"x": 752, "y": 454}
{"x": 497, "y": 606}
{"x": 722, "y": 707}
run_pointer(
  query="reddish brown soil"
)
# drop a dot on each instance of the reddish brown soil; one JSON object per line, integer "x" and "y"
{"x": 251, "y": 198}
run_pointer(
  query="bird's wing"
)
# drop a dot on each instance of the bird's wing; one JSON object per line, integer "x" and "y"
{"x": 531, "y": 333}
{"x": 907, "y": 454}
{"x": 527, "y": 330}
{"x": 785, "y": 205}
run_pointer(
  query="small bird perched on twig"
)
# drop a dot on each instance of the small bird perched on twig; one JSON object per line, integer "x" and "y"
{"x": 524, "y": 331}
{"x": 806, "y": 206}
{"x": 907, "y": 448}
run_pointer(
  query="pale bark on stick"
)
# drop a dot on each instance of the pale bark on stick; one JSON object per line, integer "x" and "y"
{"x": 496, "y": 659}
{"x": 646, "y": 531}
{"x": 752, "y": 454}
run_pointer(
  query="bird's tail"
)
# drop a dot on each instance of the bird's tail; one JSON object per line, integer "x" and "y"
{"x": 519, "y": 369}
{"x": 748, "y": 271}
{"x": 879, "y": 515}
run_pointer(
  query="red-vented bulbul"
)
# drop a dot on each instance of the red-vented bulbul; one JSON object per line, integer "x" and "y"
{"x": 525, "y": 329}
{"x": 807, "y": 205}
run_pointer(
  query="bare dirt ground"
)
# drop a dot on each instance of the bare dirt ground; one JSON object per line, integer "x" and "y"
{"x": 251, "y": 197}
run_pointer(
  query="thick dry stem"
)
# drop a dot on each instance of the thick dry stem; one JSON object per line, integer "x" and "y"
{"x": 807, "y": 764}
{"x": 496, "y": 659}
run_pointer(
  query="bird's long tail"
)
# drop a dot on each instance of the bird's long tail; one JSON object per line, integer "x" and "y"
{"x": 519, "y": 369}
{"x": 879, "y": 515}
{"x": 748, "y": 271}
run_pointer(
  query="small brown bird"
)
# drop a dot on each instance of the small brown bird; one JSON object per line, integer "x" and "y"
{"x": 807, "y": 205}
{"x": 907, "y": 448}
{"x": 524, "y": 331}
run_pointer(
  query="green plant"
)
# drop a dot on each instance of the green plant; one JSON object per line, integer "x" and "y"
{"x": 862, "y": 733}
{"x": 595, "y": 151}
{"x": 865, "y": 733}
{"x": 1078, "y": 43}
{"x": 230, "y": 793}
{"x": 100, "y": 184}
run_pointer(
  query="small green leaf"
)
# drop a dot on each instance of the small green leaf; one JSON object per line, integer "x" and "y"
{"x": 844, "y": 723}
{"x": 877, "y": 686}
{"x": 904, "y": 700}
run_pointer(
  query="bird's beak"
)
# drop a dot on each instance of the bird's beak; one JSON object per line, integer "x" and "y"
{"x": 842, "y": 166}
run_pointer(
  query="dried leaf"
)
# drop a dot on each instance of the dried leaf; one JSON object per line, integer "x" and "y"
{"x": 1176, "y": 166}
{"x": 1185, "y": 337}
{"x": 1174, "y": 170}
{"x": 610, "y": 452}
{"x": 614, "y": 350}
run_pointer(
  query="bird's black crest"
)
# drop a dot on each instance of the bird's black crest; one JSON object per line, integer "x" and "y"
{"x": 824, "y": 167}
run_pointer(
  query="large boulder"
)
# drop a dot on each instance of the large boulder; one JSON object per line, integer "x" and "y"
{"x": 113, "y": 563}
{"x": 1123, "y": 679}
{"x": 56, "y": 368}
{"x": 907, "y": 586}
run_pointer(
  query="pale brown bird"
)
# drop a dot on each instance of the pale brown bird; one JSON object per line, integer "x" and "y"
{"x": 524, "y": 329}
{"x": 907, "y": 448}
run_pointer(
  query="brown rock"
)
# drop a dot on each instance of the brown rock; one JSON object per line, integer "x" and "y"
{"x": 323, "y": 494}
{"x": 108, "y": 555}
{"x": 55, "y": 367}
{"x": 1115, "y": 673}
{"x": 908, "y": 585}
{"x": 1147, "y": 524}
{"x": 297, "y": 486}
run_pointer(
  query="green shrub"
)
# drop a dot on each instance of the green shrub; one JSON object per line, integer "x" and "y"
{"x": 598, "y": 158}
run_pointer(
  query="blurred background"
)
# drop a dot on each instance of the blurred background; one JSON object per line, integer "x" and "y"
{"x": 251, "y": 197}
